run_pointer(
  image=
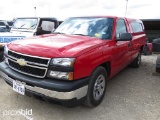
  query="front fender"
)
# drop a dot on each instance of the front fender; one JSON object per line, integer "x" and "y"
{"x": 86, "y": 63}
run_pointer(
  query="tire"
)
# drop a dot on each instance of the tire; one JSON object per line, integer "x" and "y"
{"x": 97, "y": 87}
{"x": 158, "y": 64}
{"x": 136, "y": 63}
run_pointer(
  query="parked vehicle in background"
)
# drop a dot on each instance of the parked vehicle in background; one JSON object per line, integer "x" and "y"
{"x": 27, "y": 27}
{"x": 10, "y": 23}
{"x": 148, "y": 49}
{"x": 5, "y": 26}
{"x": 156, "y": 45}
{"x": 73, "y": 64}
{"x": 158, "y": 64}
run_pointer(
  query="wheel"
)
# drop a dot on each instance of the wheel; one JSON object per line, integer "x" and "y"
{"x": 97, "y": 87}
{"x": 136, "y": 63}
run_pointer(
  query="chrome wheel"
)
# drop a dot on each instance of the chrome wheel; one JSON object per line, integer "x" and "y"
{"x": 99, "y": 87}
{"x": 96, "y": 87}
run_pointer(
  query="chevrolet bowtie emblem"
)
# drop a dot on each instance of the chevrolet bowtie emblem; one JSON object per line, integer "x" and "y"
{"x": 21, "y": 62}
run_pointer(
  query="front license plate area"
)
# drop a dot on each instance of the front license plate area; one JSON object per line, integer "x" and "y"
{"x": 19, "y": 87}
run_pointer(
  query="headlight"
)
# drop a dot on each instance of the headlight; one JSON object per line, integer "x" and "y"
{"x": 65, "y": 62}
{"x": 60, "y": 75}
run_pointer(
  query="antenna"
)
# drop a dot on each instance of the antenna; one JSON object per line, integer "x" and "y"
{"x": 35, "y": 11}
{"x": 126, "y": 7}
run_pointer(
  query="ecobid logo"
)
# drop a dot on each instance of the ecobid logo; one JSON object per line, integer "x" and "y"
{"x": 26, "y": 113}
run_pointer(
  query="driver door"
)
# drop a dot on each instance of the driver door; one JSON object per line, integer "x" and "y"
{"x": 121, "y": 49}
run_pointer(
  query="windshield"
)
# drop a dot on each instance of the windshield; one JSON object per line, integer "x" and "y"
{"x": 94, "y": 27}
{"x": 25, "y": 23}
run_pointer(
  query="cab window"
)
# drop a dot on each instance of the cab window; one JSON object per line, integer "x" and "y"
{"x": 136, "y": 27}
{"x": 47, "y": 25}
{"x": 121, "y": 27}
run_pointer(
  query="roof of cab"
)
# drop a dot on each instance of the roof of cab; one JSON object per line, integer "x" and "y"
{"x": 114, "y": 17}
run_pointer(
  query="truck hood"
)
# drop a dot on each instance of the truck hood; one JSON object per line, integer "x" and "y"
{"x": 6, "y": 37}
{"x": 56, "y": 45}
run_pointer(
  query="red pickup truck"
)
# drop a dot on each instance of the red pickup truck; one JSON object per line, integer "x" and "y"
{"x": 73, "y": 64}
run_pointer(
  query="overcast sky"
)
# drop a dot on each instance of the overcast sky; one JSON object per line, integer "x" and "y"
{"x": 61, "y": 9}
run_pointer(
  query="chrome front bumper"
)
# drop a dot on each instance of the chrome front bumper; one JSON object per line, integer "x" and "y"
{"x": 78, "y": 93}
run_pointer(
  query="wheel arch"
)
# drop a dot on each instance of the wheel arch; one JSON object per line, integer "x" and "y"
{"x": 142, "y": 48}
{"x": 107, "y": 66}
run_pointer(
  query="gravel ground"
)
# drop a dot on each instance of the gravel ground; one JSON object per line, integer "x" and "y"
{"x": 133, "y": 94}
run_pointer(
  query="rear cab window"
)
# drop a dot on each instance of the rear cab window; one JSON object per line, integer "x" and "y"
{"x": 137, "y": 27}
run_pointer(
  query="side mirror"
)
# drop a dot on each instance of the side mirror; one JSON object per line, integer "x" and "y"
{"x": 124, "y": 37}
{"x": 52, "y": 31}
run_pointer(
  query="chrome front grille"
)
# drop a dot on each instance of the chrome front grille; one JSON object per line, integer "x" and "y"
{"x": 30, "y": 59}
{"x": 35, "y": 66}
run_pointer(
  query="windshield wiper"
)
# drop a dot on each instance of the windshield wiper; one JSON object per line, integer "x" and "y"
{"x": 21, "y": 26}
{"x": 32, "y": 26}
{"x": 80, "y": 34}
